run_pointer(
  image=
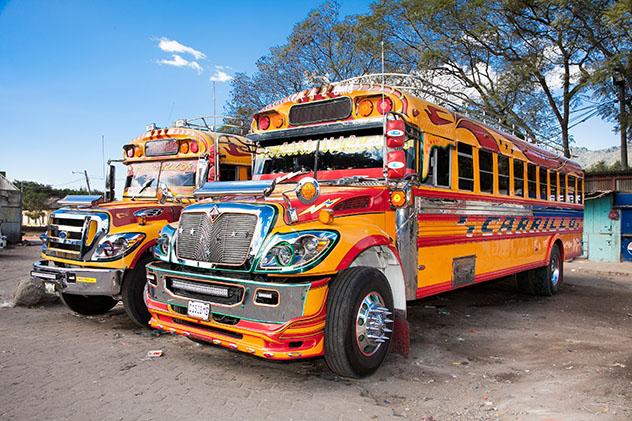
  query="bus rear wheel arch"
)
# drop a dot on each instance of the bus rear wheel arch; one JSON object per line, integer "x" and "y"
{"x": 359, "y": 325}
{"x": 547, "y": 280}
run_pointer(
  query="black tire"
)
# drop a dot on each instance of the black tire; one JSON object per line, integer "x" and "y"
{"x": 524, "y": 281}
{"x": 132, "y": 293}
{"x": 346, "y": 294}
{"x": 547, "y": 280}
{"x": 88, "y": 305}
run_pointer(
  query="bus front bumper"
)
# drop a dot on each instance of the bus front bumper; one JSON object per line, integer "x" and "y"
{"x": 285, "y": 332}
{"x": 77, "y": 280}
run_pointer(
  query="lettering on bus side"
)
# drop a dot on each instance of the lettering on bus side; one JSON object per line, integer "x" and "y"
{"x": 517, "y": 225}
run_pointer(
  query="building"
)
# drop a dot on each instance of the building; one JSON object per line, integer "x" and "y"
{"x": 10, "y": 210}
{"x": 608, "y": 216}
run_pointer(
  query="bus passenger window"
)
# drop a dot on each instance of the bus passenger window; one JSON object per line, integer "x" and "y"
{"x": 571, "y": 189}
{"x": 228, "y": 172}
{"x": 543, "y": 183}
{"x": 562, "y": 188}
{"x": 580, "y": 190}
{"x": 442, "y": 167}
{"x": 466, "y": 167}
{"x": 518, "y": 168}
{"x": 531, "y": 179}
{"x": 486, "y": 171}
{"x": 553, "y": 196}
{"x": 503, "y": 175}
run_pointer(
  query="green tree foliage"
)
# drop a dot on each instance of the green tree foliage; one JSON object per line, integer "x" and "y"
{"x": 37, "y": 197}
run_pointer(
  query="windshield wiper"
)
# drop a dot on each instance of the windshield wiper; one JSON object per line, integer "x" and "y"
{"x": 143, "y": 188}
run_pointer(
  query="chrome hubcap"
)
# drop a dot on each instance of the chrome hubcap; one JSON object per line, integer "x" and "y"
{"x": 371, "y": 324}
{"x": 555, "y": 271}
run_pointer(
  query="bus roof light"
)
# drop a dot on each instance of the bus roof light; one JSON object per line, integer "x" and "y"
{"x": 150, "y": 127}
{"x": 184, "y": 146}
{"x": 130, "y": 152}
{"x": 139, "y": 151}
{"x": 384, "y": 105}
{"x": 193, "y": 146}
{"x": 264, "y": 122}
{"x": 365, "y": 107}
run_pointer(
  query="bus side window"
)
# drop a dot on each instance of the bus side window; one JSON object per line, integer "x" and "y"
{"x": 580, "y": 190}
{"x": 553, "y": 196}
{"x": 531, "y": 179}
{"x": 571, "y": 188}
{"x": 439, "y": 167}
{"x": 518, "y": 170}
{"x": 543, "y": 183}
{"x": 562, "y": 187}
{"x": 465, "y": 161}
{"x": 503, "y": 175}
{"x": 228, "y": 172}
{"x": 486, "y": 171}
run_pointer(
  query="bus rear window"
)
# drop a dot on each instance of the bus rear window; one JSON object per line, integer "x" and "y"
{"x": 571, "y": 188}
{"x": 466, "y": 167}
{"x": 553, "y": 186}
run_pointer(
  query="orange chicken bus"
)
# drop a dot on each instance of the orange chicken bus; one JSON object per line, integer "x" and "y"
{"x": 363, "y": 198}
{"x": 94, "y": 253}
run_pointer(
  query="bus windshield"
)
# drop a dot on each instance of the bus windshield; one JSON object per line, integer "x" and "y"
{"x": 143, "y": 178}
{"x": 335, "y": 153}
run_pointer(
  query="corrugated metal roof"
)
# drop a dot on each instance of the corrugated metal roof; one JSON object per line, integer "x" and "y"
{"x": 6, "y": 184}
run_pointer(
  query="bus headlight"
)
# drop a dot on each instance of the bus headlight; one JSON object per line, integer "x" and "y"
{"x": 117, "y": 245}
{"x": 163, "y": 243}
{"x": 296, "y": 250}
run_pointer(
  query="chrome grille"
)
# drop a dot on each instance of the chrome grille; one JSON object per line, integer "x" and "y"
{"x": 224, "y": 240}
{"x": 65, "y": 235}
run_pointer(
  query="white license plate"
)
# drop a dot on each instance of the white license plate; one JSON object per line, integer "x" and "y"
{"x": 199, "y": 310}
{"x": 50, "y": 288}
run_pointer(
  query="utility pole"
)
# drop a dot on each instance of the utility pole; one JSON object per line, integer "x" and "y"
{"x": 214, "y": 106}
{"x": 85, "y": 173}
{"x": 619, "y": 82}
{"x": 103, "y": 154}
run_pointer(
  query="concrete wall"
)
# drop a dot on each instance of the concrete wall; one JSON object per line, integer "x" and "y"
{"x": 11, "y": 214}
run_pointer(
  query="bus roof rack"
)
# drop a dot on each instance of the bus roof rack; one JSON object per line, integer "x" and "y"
{"x": 227, "y": 124}
{"x": 415, "y": 85}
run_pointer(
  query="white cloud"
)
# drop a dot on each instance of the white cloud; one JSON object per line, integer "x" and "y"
{"x": 173, "y": 46}
{"x": 220, "y": 75}
{"x": 177, "y": 61}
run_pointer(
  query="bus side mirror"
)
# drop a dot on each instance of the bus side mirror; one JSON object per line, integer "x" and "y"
{"x": 201, "y": 174}
{"x": 396, "y": 164}
{"x": 110, "y": 180}
{"x": 395, "y": 133}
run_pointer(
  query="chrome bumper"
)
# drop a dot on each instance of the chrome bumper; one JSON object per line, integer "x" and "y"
{"x": 78, "y": 280}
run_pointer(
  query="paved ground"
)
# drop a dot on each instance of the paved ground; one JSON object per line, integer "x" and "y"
{"x": 484, "y": 352}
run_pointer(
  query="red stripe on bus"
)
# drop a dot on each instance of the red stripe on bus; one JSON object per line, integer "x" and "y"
{"x": 457, "y": 239}
{"x": 447, "y": 286}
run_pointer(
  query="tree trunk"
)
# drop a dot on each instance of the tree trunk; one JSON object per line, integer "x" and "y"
{"x": 623, "y": 127}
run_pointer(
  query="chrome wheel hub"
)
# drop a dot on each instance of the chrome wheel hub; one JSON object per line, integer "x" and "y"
{"x": 555, "y": 270}
{"x": 371, "y": 324}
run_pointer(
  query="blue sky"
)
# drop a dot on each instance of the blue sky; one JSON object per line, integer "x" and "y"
{"x": 72, "y": 71}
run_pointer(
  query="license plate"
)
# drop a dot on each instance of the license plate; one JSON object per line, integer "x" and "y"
{"x": 44, "y": 275}
{"x": 199, "y": 310}
{"x": 50, "y": 288}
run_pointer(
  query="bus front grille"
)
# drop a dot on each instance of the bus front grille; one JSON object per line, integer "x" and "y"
{"x": 223, "y": 240}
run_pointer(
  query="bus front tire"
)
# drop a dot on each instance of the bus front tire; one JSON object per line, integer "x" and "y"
{"x": 358, "y": 328}
{"x": 88, "y": 305}
{"x": 133, "y": 292}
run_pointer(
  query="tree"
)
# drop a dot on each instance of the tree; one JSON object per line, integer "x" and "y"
{"x": 322, "y": 48}
{"x": 38, "y": 197}
{"x": 511, "y": 58}
{"x": 607, "y": 26}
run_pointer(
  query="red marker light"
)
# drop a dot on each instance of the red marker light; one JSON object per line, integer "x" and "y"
{"x": 384, "y": 105}
{"x": 264, "y": 122}
{"x": 194, "y": 146}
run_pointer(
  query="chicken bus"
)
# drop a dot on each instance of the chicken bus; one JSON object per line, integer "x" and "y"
{"x": 364, "y": 198}
{"x": 94, "y": 252}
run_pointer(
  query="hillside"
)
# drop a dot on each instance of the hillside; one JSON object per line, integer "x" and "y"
{"x": 587, "y": 158}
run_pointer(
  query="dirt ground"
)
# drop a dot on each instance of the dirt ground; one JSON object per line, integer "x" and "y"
{"x": 479, "y": 353}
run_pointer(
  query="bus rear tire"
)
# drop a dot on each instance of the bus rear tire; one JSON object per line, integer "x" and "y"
{"x": 358, "y": 328}
{"x": 547, "y": 280}
{"x": 88, "y": 305}
{"x": 133, "y": 292}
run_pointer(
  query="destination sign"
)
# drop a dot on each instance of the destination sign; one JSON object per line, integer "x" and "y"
{"x": 162, "y": 147}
